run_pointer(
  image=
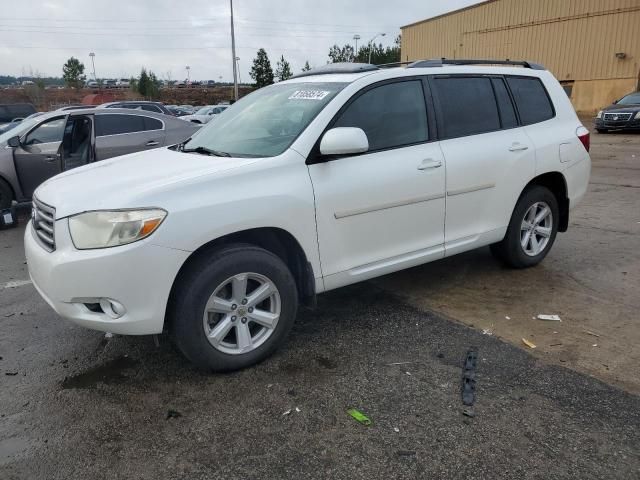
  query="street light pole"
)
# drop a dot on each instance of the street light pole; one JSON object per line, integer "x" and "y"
{"x": 382, "y": 34}
{"x": 188, "y": 68}
{"x": 356, "y": 37}
{"x": 233, "y": 56}
{"x": 239, "y": 75}
{"x": 93, "y": 55}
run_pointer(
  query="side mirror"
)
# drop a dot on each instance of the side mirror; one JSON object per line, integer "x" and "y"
{"x": 615, "y": 101}
{"x": 344, "y": 141}
{"x": 14, "y": 142}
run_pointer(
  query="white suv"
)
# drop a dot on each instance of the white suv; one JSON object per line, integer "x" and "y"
{"x": 339, "y": 175}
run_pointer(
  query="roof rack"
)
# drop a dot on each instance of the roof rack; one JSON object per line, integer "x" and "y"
{"x": 439, "y": 62}
{"x": 330, "y": 68}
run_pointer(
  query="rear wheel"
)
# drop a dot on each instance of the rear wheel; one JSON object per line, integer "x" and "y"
{"x": 532, "y": 229}
{"x": 234, "y": 309}
{"x": 6, "y": 195}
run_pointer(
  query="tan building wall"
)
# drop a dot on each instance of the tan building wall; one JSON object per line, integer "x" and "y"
{"x": 577, "y": 40}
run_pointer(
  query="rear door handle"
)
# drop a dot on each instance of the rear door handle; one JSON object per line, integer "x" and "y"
{"x": 429, "y": 163}
{"x": 516, "y": 147}
{"x": 152, "y": 143}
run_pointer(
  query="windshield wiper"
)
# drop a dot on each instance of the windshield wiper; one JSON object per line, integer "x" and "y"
{"x": 206, "y": 151}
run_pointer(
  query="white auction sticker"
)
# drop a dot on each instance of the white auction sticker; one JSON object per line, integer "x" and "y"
{"x": 308, "y": 95}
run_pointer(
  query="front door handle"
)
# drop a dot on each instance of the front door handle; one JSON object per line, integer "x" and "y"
{"x": 152, "y": 143}
{"x": 516, "y": 147}
{"x": 429, "y": 163}
{"x": 50, "y": 158}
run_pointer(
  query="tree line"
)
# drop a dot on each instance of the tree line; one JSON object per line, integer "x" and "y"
{"x": 263, "y": 74}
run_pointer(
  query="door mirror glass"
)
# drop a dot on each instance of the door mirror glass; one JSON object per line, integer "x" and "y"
{"x": 14, "y": 142}
{"x": 344, "y": 141}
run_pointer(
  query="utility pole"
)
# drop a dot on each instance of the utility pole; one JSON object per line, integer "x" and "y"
{"x": 233, "y": 56}
{"x": 93, "y": 64}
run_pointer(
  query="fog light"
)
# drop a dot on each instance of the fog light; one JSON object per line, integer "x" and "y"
{"x": 112, "y": 308}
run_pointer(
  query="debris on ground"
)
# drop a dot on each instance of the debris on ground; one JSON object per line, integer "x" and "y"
{"x": 487, "y": 331}
{"x": 9, "y": 315}
{"x": 108, "y": 335}
{"x": 297, "y": 410}
{"x": 555, "y": 344}
{"x": 408, "y": 373}
{"x": 396, "y": 429}
{"x": 11, "y": 374}
{"x": 528, "y": 343}
{"x": 469, "y": 377}
{"x": 287, "y": 412}
{"x": 173, "y": 414}
{"x": 549, "y": 318}
{"x": 359, "y": 416}
{"x": 591, "y": 333}
{"x": 594, "y": 345}
{"x": 469, "y": 412}
{"x": 398, "y": 363}
{"x": 507, "y": 317}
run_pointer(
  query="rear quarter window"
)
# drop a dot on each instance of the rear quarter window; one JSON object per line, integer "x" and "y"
{"x": 531, "y": 99}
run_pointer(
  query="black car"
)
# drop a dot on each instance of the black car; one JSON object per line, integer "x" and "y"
{"x": 623, "y": 114}
{"x": 156, "y": 107}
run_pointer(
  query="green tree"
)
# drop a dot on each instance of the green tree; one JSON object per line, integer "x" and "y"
{"x": 283, "y": 69}
{"x": 341, "y": 54}
{"x": 380, "y": 54}
{"x": 261, "y": 71}
{"x": 148, "y": 84}
{"x": 73, "y": 73}
{"x": 306, "y": 67}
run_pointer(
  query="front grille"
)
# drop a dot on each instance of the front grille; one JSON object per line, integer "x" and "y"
{"x": 43, "y": 218}
{"x": 617, "y": 117}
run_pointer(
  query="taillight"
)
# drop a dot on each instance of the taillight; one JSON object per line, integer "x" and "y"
{"x": 584, "y": 136}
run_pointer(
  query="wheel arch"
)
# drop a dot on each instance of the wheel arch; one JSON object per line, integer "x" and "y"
{"x": 275, "y": 240}
{"x": 557, "y": 183}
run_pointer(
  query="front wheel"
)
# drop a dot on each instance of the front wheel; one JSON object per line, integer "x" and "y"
{"x": 532, "y": 229}
{"x": 6, "y": 195}
{"x": 234, "y": 308}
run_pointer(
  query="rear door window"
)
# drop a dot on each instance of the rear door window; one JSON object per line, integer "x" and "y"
{"x": 392, "y": 115}
{"x": 117, "y": 124}
{"x": 152, "y": 123}
{"x": 466, "y": 106}
{"x": 531, "y": 99}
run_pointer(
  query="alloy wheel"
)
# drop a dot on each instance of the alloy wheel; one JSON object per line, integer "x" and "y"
{"x": 536, "y": 229}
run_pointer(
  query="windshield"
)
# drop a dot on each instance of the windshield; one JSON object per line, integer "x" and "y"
{"x": 266, "y": 122}
{"x": 20, "y": 129}
{"x": 204, "y": 111}
{"x": 631, "y": 99}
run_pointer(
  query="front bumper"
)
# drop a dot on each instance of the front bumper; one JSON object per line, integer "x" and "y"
{"x": 631, "y": 124}
{"x": 139, "y": 276}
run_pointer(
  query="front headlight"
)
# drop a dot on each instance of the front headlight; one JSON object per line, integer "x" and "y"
{"x": 599, "y": 115}
{"x": 637, "y": 117}
{"x": 103, "y": 229}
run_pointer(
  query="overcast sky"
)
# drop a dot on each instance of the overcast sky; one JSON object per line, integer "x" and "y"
{"x": 167, "y": 35}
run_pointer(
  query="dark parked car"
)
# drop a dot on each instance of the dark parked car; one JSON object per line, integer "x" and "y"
{"x": 139, "y": 105}
{"x": 12, "y": 111}
{"x": 623, "y": 114}
{"x": 41, "y": 147}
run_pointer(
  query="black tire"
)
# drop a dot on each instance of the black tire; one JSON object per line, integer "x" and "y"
{"x": 199, "y": 282}
{"x": 510, "y": 250}
{"x": 602, "y": 130}
{"x": 6, "y": 195}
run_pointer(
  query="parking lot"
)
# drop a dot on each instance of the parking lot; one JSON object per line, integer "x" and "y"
{"x": 75, "y": 404}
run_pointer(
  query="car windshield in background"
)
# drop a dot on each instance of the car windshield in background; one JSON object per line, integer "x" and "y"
{"x": 204, "y": 111}
{"x": 266, "y": 122}
{"x": 631, "y": 99}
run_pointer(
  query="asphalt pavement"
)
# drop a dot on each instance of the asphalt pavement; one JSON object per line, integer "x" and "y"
{"x": 75, "y": 404}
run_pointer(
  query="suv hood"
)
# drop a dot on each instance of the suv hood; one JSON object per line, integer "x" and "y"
{"x": 125, "y": 182}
